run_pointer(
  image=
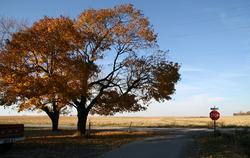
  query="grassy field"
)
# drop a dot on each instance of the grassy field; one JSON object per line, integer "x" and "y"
{"x": 223, "y": 122}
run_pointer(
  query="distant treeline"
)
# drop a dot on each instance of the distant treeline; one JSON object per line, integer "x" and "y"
{"x": 242, "y": 113}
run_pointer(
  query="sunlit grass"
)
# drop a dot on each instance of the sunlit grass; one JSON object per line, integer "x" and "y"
{"x": 235, "y": 144}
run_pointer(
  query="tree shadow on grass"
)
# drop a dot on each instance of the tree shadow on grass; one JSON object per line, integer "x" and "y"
{"x": 63, "y": 143}
{"x": 66, "y": 140}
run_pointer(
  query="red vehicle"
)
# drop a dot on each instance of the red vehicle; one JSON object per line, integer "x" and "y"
{"x": 10, "y": 133}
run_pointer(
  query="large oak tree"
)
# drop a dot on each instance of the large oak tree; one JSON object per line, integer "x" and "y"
{"x": 69, "y": 66}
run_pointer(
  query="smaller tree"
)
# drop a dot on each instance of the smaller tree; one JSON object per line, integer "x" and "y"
{"x": 33, "y": 67}
{"x": 248, "y": 113}
{"x": 52, "y": 106}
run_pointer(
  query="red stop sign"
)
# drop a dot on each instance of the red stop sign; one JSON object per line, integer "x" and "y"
{"x": 214, "y": 115}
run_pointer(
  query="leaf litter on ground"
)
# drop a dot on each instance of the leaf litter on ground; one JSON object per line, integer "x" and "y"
{"x": 66, "y": 140}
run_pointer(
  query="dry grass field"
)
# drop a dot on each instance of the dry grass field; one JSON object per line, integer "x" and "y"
{"x": 64, "y": 143}
{"x": 225, "y": 121}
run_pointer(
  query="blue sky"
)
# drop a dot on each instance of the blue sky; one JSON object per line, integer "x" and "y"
{"x": 209, "y": 38}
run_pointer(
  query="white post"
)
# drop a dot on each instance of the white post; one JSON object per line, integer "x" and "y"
{"x": 89, "y": 127}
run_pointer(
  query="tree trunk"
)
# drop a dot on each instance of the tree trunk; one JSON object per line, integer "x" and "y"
{"x": 82, "y": 119}
{"x": 54, "y": 116}
{"x": 82, "y": 113}
{"x": 55, "y": 119}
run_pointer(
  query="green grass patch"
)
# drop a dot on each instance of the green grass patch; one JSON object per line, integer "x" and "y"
{"x": 35, "y": 128}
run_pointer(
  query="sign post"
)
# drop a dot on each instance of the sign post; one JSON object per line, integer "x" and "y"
{"x": 214, "y": 115}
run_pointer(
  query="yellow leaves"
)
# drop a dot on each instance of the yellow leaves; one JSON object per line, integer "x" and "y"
{"x": 32, "y": 61}
{"x": 123, "y": 23}
{"x": 45, "y": 76}
{"x": 32, "y": 101}
{"x": 28, "y": 104}
{"x": 49, "y": 30}
{"x": 93, "y": 58}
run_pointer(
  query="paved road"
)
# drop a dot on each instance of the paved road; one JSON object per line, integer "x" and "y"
{"x": 181, "y": 144}
{"x": 172, "y": 146}
{"x": 139, "y": 128}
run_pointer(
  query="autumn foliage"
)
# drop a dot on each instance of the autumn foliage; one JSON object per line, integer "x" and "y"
{"x": 33, "y": 70}
{"x": 59, "y": 63}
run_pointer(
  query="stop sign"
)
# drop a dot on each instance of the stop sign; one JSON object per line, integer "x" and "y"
{"x": 214, "y": 115}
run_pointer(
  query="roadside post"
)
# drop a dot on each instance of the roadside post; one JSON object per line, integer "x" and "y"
{"x": 214, "y": 115}
{"x": 89, "y": 128}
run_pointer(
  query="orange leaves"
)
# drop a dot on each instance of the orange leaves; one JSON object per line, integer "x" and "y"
{"x": 121, "y": 26}
{"x": 166, "y": 76}
{"x": 151, "y": 76}
{"x": 38, "y": 57}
